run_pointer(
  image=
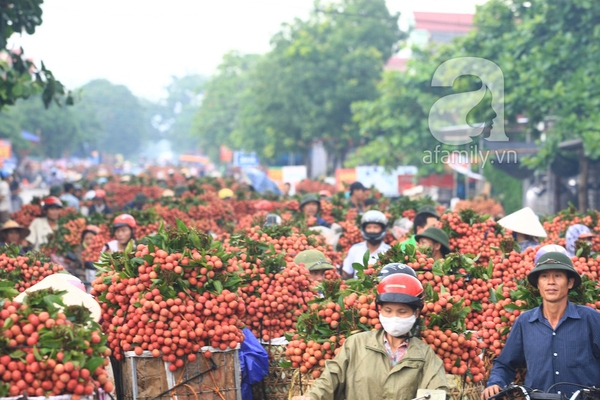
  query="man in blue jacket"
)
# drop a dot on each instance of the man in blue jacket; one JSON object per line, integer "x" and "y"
{"x": 557, "y": 341}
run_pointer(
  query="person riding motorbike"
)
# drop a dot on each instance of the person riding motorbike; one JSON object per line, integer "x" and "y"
{"x": 124, "y": 231}
{"x": 558, "y": 342}
{"x": 373, "y": 228}
{"x": 45, "y": 225}
{"x": 310, "y": 206}
{"x": 387, "y": 363}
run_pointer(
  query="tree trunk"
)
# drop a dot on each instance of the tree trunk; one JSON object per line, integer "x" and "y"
{"x": 308, "y": 163}
{"x": 582, "y": 193}
{"x": 556, "y": 191}
{"x": 341, "y": 158}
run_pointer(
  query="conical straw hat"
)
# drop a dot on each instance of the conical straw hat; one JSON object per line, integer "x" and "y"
{"x": 74, "y": 296}
{"x": 524, "y": 221}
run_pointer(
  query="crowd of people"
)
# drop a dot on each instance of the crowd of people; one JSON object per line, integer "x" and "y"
{"x": 558, "y": 338}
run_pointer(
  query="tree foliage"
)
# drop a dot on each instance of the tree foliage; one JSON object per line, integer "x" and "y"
{"x": 121, "y": 115}
{"x": 302, "y": 90}
{"x": 63, "y": 130}
{"x": 21, "y": 77}
{"x": 172, "y": 118}
{"x": 219, "y": 114}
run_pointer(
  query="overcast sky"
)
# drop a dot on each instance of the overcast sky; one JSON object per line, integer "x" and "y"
{"x": 143, "y": 43}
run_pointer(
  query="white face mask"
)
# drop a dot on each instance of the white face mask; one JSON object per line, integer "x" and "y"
{"x": 397, "y": 326}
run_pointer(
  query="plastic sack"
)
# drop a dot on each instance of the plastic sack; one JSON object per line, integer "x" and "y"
{"x": 254, "y": 362}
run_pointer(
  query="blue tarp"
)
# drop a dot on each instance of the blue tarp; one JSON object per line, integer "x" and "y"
{"x": 30, "y": 136}
{"x": 254, "y": 362}
{"x": 260, "y": 181}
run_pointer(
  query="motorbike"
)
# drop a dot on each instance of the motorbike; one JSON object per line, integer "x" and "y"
{"x": 516, "y": 392}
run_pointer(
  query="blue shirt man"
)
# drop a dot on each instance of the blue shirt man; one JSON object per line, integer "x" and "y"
{"x": 557, "y": 341}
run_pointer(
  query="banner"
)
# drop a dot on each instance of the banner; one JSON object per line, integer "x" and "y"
{"x": 461, "y": 164}
{"x": 276, "y": 175}
{"x": 5, "y": 149}
{"x": 225, "y": 154}
{"x": 293, "y": 174}
{"x": 386, "y": 181}
{"x": 190, "y": 158}
{"x": 344, "y": 175}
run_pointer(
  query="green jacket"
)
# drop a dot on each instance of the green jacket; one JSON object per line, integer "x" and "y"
{"x": 361, "y": 371}
{"x": 412, "y": 241}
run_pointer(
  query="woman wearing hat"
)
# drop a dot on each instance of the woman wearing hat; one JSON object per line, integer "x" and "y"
{"x": 574, "y": 233}
{"x": 45, "y": 225}
{"x": 310, "y": 206}
{"x": 124, "y": 230}
{"x": 437, "y": 240}
{"x": 526, "y": 227}
{"x": 13, "y": 233}
{"x": 87, "y": 238}
{"x": 557, "y": 342}
{"x": 386, "y": 363}
{"x": 99, "y": 206}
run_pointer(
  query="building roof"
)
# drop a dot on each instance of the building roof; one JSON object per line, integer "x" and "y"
{"x": 396, "y": 63}
{"x": 443, "y": 22}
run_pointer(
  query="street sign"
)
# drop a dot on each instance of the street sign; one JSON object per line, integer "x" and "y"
{"x": 241, "y": 159}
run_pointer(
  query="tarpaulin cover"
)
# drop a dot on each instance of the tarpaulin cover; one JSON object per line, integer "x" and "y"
{"x": 254, "y": 362}
{"x": 260, "y": 181}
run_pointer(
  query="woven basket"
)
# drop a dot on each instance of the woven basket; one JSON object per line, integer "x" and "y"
{"x": 459, "y": 389}
{"x": 276, "y": 385}
{"x": 301, "y": 384}
{"x": 488, "y": 362}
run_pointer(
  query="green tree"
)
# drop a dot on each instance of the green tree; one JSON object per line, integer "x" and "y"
{"x": 218, "y": 116}
{"x": 63, "y": 130}
{"x": 173, "y": 117}
{"x": 122, "y": 117}
{"x": 21, "y": 78}
{"x": 303, "y": 89}
{"x": 549, "y": 52}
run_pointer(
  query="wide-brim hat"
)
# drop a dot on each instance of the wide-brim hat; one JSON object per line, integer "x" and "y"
{"x": 309, "y": 198}
{"x": 437, "y": 235}
{"x": 429, "y": 210}
{"x": 75, "y": 296}
{"x": 140, "y": 198}
{"x": 313, "y": 260}
{"x": 10, "y": 224}
{"x": 524, "y": 221}
{"x": 554, "y": 260}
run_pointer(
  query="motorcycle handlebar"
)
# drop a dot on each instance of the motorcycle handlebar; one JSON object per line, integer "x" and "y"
{"x": 530, "y": 394}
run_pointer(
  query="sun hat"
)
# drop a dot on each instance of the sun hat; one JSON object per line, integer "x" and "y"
{"x": 524, "y": 221}
{"x": 75, "y": 296}
{"x": 554, "y": 260}
{"x": 10, "y": 224}
{"x": 437, "y": 235}
{"x": 313, "y": 260}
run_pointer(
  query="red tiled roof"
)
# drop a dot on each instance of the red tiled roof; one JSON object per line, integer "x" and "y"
{"x": 443, "y": 22}
{"x": 396, "y": 64}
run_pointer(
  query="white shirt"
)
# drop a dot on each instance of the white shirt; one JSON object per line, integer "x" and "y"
{"x": 5, "y": 193}
{"x": 357, "y": 252}
{"x": 112, "y": 246}
{"x": 71, "y": 200}
{"x": 40, "y": 229}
